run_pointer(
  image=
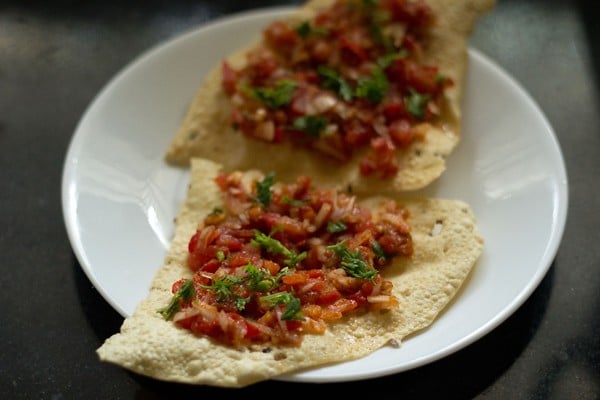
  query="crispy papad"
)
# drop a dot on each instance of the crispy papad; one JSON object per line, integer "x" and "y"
{"x": 206, "y": 130}
{"x": 446, "y": 248}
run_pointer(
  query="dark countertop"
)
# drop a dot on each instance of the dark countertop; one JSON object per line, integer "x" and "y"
{"x": 56, "y": 56}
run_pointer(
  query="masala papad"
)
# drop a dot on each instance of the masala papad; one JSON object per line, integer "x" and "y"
{"x": 206, "y": 130}
{"x": 447, "y": 245}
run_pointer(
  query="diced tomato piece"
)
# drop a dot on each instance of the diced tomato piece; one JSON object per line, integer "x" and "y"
{"x": 412, "y": 12}
{"x": 293, "y": 325}
{"x": 352, "y": 53}
{"x": 281, "y": 36}
{"x": 211, "y": 265}
{"x": 230, "y": 242}
{"x": 295, "y": 279}
{"x": 401, "y": 133}
{"x": 193, "y": 243}
{"x": 252, "y": 332}
{"x": 395, "y": 110}
{"x": 177, "y": 285}
{"x": 221, "y": 180}
{"x": 239, "y": 259}
{"x": 263, "y": 69}
{"x": 381, "y": 160}
{"x": 327, "y": 293}
{"x": 357, "y": 133}
{"x": 284, "y": 225}
{"x": 344, "y": 305}
{"x": 423, "y": 79}
{"x": 393, "y": 243}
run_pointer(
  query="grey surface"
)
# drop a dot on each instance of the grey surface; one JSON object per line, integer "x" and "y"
{"x": 55, "y": 57}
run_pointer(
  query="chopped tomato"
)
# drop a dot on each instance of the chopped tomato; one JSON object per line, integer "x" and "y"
{"x": 279, "y": 261}
{"x": 281, "y": 36}
{"x": 402, "y": 133}
{"x": 265, "y": 273}
{"x": 423, "y": 79}
{"x": 320, "y": 84}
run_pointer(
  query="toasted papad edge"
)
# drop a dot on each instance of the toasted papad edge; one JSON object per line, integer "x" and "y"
{"x": 446, "y": 247}
{"x": 206, "y": 130}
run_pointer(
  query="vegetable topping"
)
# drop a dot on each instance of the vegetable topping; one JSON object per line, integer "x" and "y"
{"x": 282, "y": 260}
{"x": 352, "y": 78}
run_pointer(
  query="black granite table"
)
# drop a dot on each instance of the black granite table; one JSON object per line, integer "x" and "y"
{"x": 56, "y": 56}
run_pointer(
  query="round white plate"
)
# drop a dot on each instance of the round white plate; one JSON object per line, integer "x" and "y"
{"x": 120, "y": 198}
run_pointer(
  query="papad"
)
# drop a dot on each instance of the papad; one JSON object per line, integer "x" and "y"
{"x": 206, "y": 130}
{"x": 446, "y": 247}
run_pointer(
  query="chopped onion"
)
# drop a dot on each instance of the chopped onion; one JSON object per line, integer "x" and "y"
{"x": 322, "y": 103}
{"x": 323, "y": 213}
{"x": 382, "y": 298}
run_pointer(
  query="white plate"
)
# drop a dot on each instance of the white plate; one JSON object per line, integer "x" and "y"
{"x": 119, "y": 197}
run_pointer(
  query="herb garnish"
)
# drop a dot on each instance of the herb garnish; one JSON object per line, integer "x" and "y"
{"x": 313, "y": 125}
{"x": 415, "y": 103}
{"x": 378, "y": 250}
{"x": 336, "y": 227}
{"x": 353, "y": 263}
{"x": 185, "y": 293}
{"x": 263, "y": 189}
{"x": 274, "y": 246}
{"x": 223, "y": 287}
{"x": 293, "y": 310}
{"x": 278, "y": 96}
{"x": 256, "y": 280}
{"x": 387, "y": 60}
{"x": 374, "y": 87}
{"x": 294, "y": 202}
{"x": 332, "y": 80}
{"x": 260, "y": 280}
{"x": 304, "y": 29}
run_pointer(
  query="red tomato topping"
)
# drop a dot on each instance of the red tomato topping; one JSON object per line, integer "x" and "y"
{"x": 281, "y": 260}
{"x": 338, "y": 83}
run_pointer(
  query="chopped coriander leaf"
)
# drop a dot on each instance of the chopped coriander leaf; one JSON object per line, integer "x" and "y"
{"x": 220, "y": 256}
{"x": 378, "y": 250}
{"x": 274, "y": 246}
{"x": 293, "y": 309}
{"x": 294, "y": 259}
{"x": 268, "y": 243}
{"x": 294, "y": 202}
{"x": 336, "y": 227}
{"x": 222, "y": 287}
{"x": 378, "y": 18}
{"x": 304, "y": 29}
{"x": 332, "y": 80}
{"x": 216, "y": 211}
{"x": 313, "y": 125}
{"x": 415, "y": 103}
{"x": 240, "y": 302}
{"x": 185, "y": 293}
{"x": 278, "y": 96}
{"x": 260, "y": 280}
{"x": 263, "y": 189}
{"x": 440, "y": 79}
{"x": 373, "y": 88}
{"x": 385, "y": 61}
{"x": 353, "y": 263}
